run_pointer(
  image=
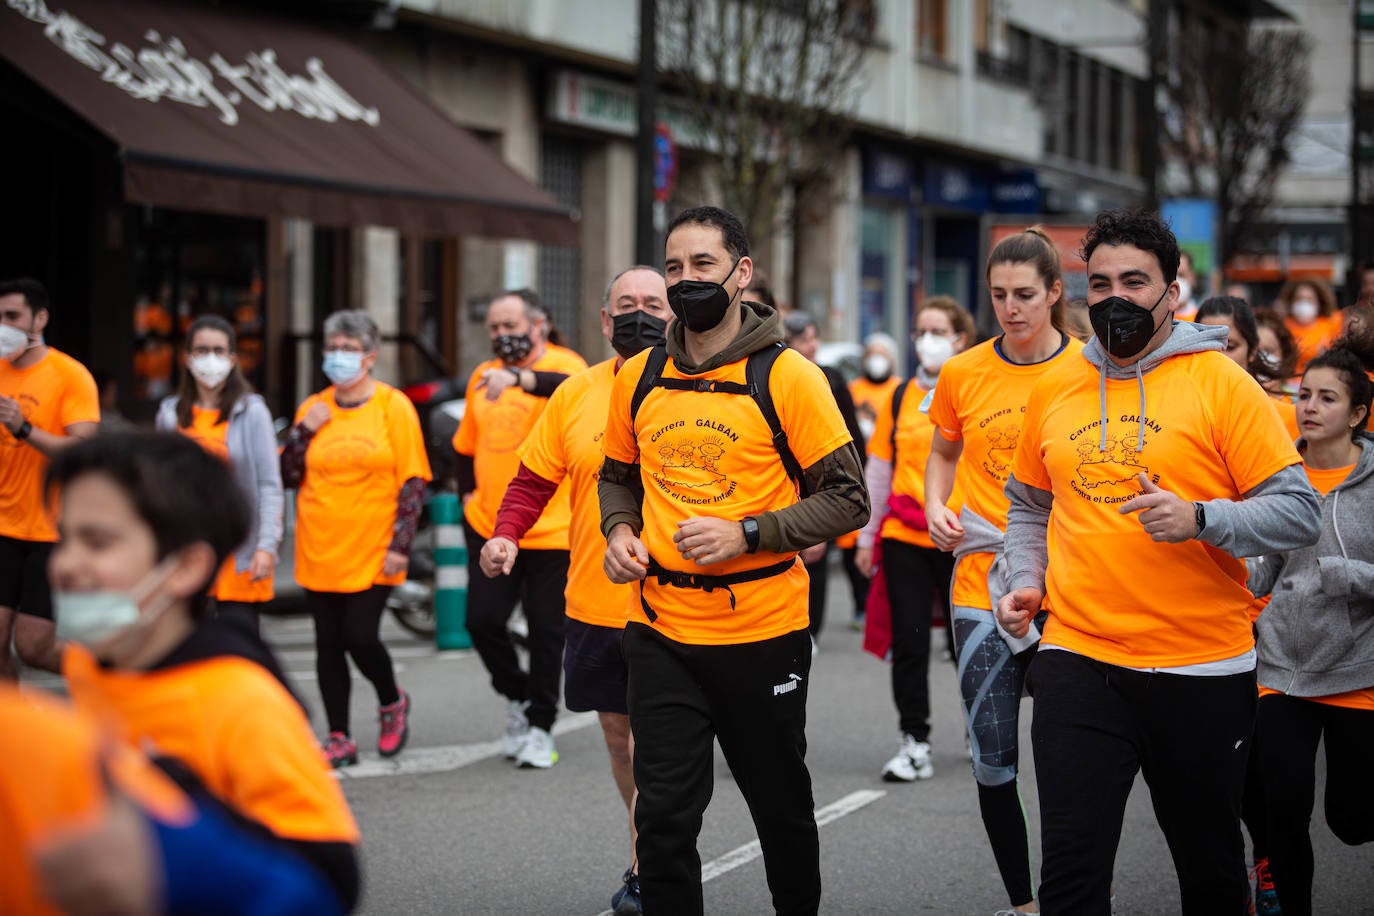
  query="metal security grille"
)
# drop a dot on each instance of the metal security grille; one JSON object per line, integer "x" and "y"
{"x": 560, "y": 267}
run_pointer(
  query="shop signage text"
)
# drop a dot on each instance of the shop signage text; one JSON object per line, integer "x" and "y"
{"x": 164, "y": 70}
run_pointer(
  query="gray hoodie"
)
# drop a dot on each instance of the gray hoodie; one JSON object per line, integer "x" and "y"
{"x": 254, "y": 463}
{"x": 1316, "y": 637}
{"x": 1281, "y": 513}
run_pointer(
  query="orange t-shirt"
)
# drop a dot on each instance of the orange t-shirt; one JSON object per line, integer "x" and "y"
{"x": 1114, "y": 594}
{"x": 914, "y": 434}
{"x": 1288, "y": 413}
{"x": 492, "y": 432}
{"x": 233, "y": 725}
{"x": 355, "y": 467}
{"x": 980, "y": 398}
{"x": 712, "y": 454}
{"x": 873, "y": 397}
{"x": 230, "y": 584}
{"x": 565, "y": 445}
{"x": 1313, "y": 338}
{"x": 53, "y": 394}
{"x": 54, "y": 783}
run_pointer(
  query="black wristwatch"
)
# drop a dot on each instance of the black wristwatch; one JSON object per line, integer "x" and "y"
{"x": 1199, "y": 516}
{"x": 23, "y": 431}
{"x": 751, "y": 534}
{"x": 519, "y": 379}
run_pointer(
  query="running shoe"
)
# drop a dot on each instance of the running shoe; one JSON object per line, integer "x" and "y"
{"x": 340, "y": 750}
{"x": 517, "y": 728}
{"x": 625, "y": 901}
{"x": 537, "y": 752}
{"x": 1266, "y": 898}
{"x": 912, "y": 762}
{"x": 395, "y": 729}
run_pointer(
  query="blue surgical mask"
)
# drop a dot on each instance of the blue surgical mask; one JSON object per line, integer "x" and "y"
{"x": 343, "y": 367}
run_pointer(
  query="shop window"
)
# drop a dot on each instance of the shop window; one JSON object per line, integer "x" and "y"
{"x": 932, "y": 29}
{"x": 560, "y": 266}
{"x": 189, "y": 265}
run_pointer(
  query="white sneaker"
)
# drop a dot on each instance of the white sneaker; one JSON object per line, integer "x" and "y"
{"x": 911, "y": 763}
{"x": 517, "y": 728}
{"x": 538, "y": 751}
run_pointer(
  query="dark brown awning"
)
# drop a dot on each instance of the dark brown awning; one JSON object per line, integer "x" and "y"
{"x": 232, "y": 112}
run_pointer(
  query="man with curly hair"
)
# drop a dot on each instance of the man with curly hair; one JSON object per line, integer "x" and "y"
{"x": 1147, "y": 659}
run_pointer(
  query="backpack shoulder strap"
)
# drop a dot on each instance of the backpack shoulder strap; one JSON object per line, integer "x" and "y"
{"x": 897, "y": 394}
{"x": 757, "y": 370}
{"x": 648, "y": 379}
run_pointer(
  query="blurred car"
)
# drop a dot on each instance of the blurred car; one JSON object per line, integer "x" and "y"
{"x": 843, "y": 355}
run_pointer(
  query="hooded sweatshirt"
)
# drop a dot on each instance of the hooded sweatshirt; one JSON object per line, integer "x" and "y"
{"x": 1197, "y": 426}
{"x": 1316, "y": 637}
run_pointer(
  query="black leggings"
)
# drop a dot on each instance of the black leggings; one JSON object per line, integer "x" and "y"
{"x": 1288, "y": 731}
{"x": 350, "y": 624}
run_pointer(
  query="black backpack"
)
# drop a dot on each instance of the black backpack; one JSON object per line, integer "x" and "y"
{"x": 897, "y": 394}
{"x": 757, "y": 369}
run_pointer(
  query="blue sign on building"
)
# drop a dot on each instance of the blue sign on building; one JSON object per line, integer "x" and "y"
{"x": 1017, "y": 192}
{"x": 956, "y": 187}
{"x": 887, "y": 175}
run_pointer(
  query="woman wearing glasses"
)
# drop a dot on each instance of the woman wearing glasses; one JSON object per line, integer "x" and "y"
{"x": 217, "y": 407}
{"x": 357, "y": 459}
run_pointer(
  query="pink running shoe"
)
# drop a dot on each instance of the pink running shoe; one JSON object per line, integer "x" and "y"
{"x": 340, "y": 750}
{"x": 395, "y": 729}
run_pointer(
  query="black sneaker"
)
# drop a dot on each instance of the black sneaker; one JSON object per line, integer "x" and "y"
{"x": 625, "y": 902}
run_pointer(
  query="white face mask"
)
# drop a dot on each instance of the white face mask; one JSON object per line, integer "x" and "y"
{"x": 1304, "y": 311}
{"x": 210, "y": 369}
{"x": 932, "y": 350}
{"x": 90, "y": 618}
{"x": 877, "y": 367}
{"x": 13, "y": 341}
{"x": 1185, "y": 293}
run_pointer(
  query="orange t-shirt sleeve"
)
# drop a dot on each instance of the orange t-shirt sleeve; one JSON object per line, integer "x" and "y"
{"x": 80, "y": 401}
{"x": 1028, "y": 464}
{"x": 942, "y": 412}
{"x": 619, "y": 442}
{"x": 806, "y": 408}
{"x": 408, "y": 443}
{"x": 1254, "y": 447}
{"x": 543, "y": 450}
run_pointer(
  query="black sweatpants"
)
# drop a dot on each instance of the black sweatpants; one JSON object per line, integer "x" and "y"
{"x": 819, "y": 571}
{"x": 752, "y": 698}
{"x": 537, "y": 581}
{"x": 914, "y": 574}
{"x": 858, "y": 582}
{"x": 349, "y": 624}
{"x": 1287, "y": 734}
{"x": 1095, "y": 725}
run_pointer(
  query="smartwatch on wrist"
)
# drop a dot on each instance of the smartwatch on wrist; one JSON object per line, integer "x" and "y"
{"x": 23, "y": 431}
{"x": 519, "y": 380}
{"x": 751, "y": 534}
{"x": 1199, "y": 516}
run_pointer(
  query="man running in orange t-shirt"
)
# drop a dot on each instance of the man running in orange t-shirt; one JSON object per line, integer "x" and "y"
{"x": 1146, "y": 466}
{"x": 700, "y": 507}
{"x": 505, "y": 397}
{"x": 566, "y": 445}
{"x": 47, "y": 401}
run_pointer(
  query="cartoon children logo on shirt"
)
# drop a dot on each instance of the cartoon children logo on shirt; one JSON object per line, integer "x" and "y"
{"x": 689, "y": 466}
{"x": 1111, "y": 461}
{"x": 1001, "y": 449}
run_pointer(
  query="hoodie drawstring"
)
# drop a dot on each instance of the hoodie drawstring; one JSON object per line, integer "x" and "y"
{"x": 1102, "y": 405}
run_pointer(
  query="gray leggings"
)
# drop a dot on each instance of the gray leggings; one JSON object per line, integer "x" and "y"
{"x": 991, "y": 680}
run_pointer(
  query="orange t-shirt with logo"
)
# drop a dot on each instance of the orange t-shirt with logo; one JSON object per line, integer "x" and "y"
{"x": 1313, "y": 338}
{"x": 712, "y": 454}
{"x": 1114, "y": 594}
{"x": 873, "y": 396}
{"x": 492, "y": 433}
{"x": 53, "y": 394}
{"x": 980, "y": 399}
{"x": 230, "y": 584}
{"x": 565, "y": 445}
{"x": 915, "y": 432}
{"x": 1324, "y": 480}
{"x": 355, "y": 467}
{"x": 54, "y": 782}
{"x": 233, "y": 725}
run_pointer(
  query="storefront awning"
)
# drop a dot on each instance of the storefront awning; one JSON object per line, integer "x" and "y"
{"x": 226, "y": 111}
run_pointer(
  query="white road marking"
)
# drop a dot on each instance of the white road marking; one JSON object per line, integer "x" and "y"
{"x": 446, "y": 758}
{"x": 750, "y": 851}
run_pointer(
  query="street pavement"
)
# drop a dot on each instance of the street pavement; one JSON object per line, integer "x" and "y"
{"x": 451, "y": 827}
